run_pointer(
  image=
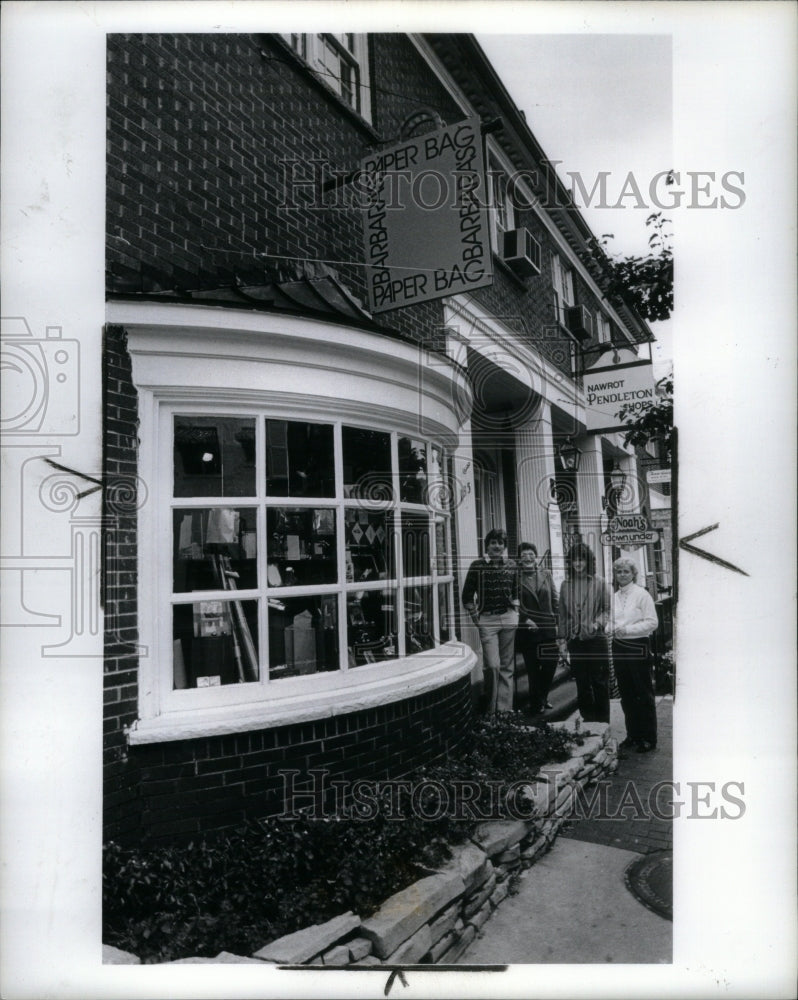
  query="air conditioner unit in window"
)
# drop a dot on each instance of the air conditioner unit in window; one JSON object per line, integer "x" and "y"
{"x": 522, "y": 252}
{"x": 579, "y": 322}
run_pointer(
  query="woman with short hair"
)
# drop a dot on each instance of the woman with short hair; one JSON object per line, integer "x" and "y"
{"x": 536, "y": 638}
{"x": 583, "y": 617}
{"x": 634, "y": 618}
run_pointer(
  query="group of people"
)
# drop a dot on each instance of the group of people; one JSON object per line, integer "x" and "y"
{"x": 516, "y": 607}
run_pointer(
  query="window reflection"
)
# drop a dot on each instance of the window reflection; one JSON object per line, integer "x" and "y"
{"x": 412, "y": 470}
{"x": 301, "y": 546}
{"x": 441, "y": 546}
{"x": 416, "y": 544}
{"x": 214, "y": 548}
{"x": 369, "y": 551}
{"x": 300, "y": 461}
{"x": 303, "y": 635}
{"x": 367, "y": 464}
{"x": 371, "y": 620}
{"x": 418, "y": 619}
{"x": 214, "y": 457}
{"x": 444, "y": 612}
{"x": 215, "y": 643}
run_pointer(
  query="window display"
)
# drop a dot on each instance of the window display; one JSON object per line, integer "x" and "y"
{"x": 331, "y": 560}
{"x": 214, "y": 457}
{"x": 210, "y": 542}
{"x": 300, "y": 546}
{"x": 215, "y": 642}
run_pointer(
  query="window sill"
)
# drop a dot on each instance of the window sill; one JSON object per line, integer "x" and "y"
{"x": 362, "y": 688}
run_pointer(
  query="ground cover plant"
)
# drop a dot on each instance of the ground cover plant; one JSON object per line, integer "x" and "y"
{"x": 238, "y": 890}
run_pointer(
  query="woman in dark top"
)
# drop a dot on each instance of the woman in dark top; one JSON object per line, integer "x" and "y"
{"x": 582, "y": 620}
{"x": 536, "y": 638}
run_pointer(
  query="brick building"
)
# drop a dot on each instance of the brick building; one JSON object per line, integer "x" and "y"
{"x": 305, "y": 478}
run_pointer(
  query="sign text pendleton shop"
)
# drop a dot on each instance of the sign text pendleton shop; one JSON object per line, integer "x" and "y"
{"x": 610, "y": 388}
{"x": 425, "y": 218}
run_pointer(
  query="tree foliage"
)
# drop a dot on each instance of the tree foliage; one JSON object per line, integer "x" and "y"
{"x": 646, "y": 285}
{"x": 652, "y": 421}
{"x": 643, "y": 283}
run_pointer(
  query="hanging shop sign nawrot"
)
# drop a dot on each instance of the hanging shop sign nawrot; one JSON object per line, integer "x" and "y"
{"x": 425, "y": 218}
{"x": 611, "y": 387}
{"x": 629, "y": 531}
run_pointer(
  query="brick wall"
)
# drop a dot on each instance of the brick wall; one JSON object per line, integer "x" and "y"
{"x": 123, "y": 494}
{"x": 182, "y": 784}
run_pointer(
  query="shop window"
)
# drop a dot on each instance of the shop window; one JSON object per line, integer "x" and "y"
{"x": 341, "y": 61}
{"x": 335, "y": 555}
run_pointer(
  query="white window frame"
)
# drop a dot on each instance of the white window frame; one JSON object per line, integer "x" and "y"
{"x": 351, "y": 50}
{"x": 603, "y": 328}
{"x": 261, "y": 502}
{"x": 562, "y": 279}
{"x": 502, "y": 210}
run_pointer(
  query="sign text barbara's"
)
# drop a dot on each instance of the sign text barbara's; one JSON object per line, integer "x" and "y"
{"x": 425, "y": 219}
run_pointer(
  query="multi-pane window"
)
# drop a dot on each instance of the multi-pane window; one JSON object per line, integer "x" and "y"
{"x": 341, "y": 60}
{"x": 303, "y": 546}
{"x": 562, "y": 278}
{"x": 603, "y": 328}
{"x": 502, "y": 211}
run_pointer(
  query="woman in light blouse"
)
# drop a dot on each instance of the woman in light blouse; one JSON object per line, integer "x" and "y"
{"x": 634, "y": 618}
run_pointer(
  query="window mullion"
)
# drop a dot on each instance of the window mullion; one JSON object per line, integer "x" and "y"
{"x": 340, "y": 521}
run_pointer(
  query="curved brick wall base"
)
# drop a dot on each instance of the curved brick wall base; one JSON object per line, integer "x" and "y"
{"x": 180, "y": 789}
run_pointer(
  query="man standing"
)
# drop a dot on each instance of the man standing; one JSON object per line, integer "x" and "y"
{"x": 490, "y": 595}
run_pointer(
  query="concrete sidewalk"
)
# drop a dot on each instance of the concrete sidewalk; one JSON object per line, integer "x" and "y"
{"x": 573, "y": 906}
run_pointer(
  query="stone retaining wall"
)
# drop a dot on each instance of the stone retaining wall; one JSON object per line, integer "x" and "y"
{"x": 435, "y": 919}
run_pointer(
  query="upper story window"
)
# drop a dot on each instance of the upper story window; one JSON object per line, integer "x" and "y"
{"x": 603, "y": 328}
{"x": 300, "y": 547}
{"x": 502, "y": 210}
{"x": 341, "y": 60}
{"x": 562, "y": 278}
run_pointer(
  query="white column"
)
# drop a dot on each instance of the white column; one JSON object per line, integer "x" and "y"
{"x": 589, "y": 491}
{"x": 468, "y": 545}
{"x": 535, "y": 471}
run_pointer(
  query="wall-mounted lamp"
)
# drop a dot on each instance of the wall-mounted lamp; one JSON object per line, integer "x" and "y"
{"x": 569, "y": 455}
{"x": 617, "y": 482}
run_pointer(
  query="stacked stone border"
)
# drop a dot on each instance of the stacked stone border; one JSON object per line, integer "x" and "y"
{"x": 435, "y": 919}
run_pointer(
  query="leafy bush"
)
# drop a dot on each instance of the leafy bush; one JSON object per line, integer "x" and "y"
{"x": 238, "y": 890}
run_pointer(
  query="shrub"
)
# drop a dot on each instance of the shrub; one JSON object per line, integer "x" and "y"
{"x": 239, "y": 890}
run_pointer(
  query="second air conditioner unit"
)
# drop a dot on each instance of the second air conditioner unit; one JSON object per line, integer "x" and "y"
{"x": 579, "y": 322}
{"x": 522, "y": 252}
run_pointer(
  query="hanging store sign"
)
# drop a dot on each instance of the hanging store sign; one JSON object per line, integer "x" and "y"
{"x": 629, "y": 531}
{"x": 425, "y": 218}
{"x": 612, "y": 387}
{"x": 654, "y": 476}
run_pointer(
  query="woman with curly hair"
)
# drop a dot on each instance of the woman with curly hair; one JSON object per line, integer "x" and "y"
{"x": 583, "y": 616}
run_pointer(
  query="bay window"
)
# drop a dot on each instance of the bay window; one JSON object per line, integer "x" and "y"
{"x": 300, "y": 547}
